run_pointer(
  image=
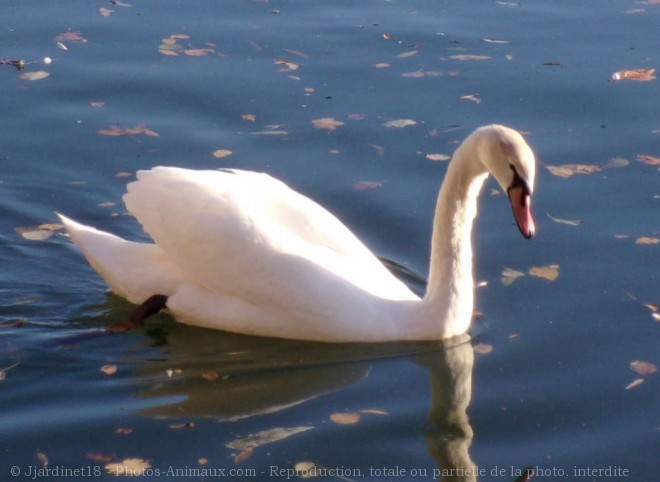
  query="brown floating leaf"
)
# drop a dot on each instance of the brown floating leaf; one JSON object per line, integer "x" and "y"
{"x": 249, "y": 117}
{"x": 198, "y": 52}
{"x": 124, "y": 431}
{"x": 131, "y": 467}
{"x": 210, "y": 376}
{"x": 243, "y": 455}
{"x": 345, "y": 418}
{"x": 73, "y": 36}
{"x": 37, "y": 75}
{"x": 116, "y": 130}
{"x": 647, "y": 240}
{"x": 382, "y": 65}
{"x": 643, "y": 367}
{"x": 550, "y": 272}
{"x": 306, "y": 469}
{"x": 567, "y": 170}
{"x": 220, "y": 153}
{"x": 643, "y": 75}
{"x": 400, "y": 123}
{"x": 98, "y": 457}
{"x": 289, "y": 66}
{"x": 327, "y": 123}
{"x": 650, "y": 160}
{"x": 108, "y": 369}
{"x": 43, "y": 458}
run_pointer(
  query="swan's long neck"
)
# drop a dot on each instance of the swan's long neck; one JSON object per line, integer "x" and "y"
{"x": 448, "y": 302}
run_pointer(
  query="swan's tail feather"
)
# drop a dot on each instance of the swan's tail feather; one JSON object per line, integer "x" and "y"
{"x": 133, "y": 270}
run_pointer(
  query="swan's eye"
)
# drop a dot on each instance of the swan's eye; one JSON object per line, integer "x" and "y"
{"x": 518, "y": 181}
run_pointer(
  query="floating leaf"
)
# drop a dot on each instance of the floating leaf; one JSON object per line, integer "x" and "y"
{"x": 73, "y": 36}
{"x": 400, "y": 123}
{"x": 647, "y": 240}
{"x": 643, "y": 75}
{"x": 202, "y": 461}
{"x": 635, "y": 383}
{"x": 265, "y": 437}
{"x": 220, "y": 153}
{"x": 108, "y": 369}
{"x": 550, "y": 272}
{"x": 650, "y": 160}
{"x": 509, "y": 276}
{"x": 249, "y": 117}
{"x": 37, "y": 75}
{"x": 105, "y": 12}
{"x": 211, "y": 375}
{"x": 99, "y": 457}
{"x": 243, "y": 455}
{"x": 345, "y": 418}
{"x": 438, "y": 157}
{"x": 130, "y": 467}
{"x": 179, "y": 426}
{"x": 380, "y": 150}
{"x": 495, "y": 41}
{"x": 116, "y": 130}
{"x": 198, "y": 52}
{"x": 124, "y": 431}
{"x": 643, "y": 367}
{"x": 366, "y": 185}
{"x": 473, "y": 97}
{"x": 289, "y": 66}
{"x": 270, "y": 133}
{"x": 305, "y": 470}
{"x": 43, "y": 458}
{"x": 567, "y": 170}
{"x": 469, "y": 57}
{"x": 616, "y": 162}
{"x": 483, "y": 348}
{"x": 374, "y": 411}
{"x": 382, "y": 65}
{"x": 570, "y": 222}
{"x": 39, "y": 233}
{"x": 327, "y": 123}
{"x": 97, "y": 103}
{"x": 410, "y": 53}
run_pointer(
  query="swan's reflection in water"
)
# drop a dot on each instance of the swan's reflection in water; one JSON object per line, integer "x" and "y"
{"x": 231, "y": 377}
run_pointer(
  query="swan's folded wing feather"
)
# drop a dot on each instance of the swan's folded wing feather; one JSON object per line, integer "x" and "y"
{"x": 234, "y": 232}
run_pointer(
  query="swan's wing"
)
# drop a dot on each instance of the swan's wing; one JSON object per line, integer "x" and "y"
{"x": 236, "y": 231}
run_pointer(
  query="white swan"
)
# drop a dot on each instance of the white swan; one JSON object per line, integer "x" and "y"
{"x": 240, "y": 251}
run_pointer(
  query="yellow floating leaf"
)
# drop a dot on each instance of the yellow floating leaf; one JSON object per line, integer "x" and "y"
{"x": 647, "y": 240}
{"x": 483, "y": 348}
{"x": 128, "y": 467}
{"x": 36, "y": 75}
{"x": 643, "y": 75}
{"x": 643, "y": 367}
{"x": 116, "y": 130}
{"x": 345, "y": 418}
{"x": 400, "y": 123}
{"x": 635, "y": 383}
{"x": 510, "y": 275}
{"x": 650, "y": 160}
{"x": 438, "y": 157}
{"x": 550, "y": 272}
{"x": 108, "y": 369}
{"x": 567, "y": 170}
{"x": 220, "y": 153}
{"x": 327, "y": 123}
{"x": 305, "y": 470}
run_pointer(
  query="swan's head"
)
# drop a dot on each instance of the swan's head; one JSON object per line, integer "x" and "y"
{"x": 506, "y": 155}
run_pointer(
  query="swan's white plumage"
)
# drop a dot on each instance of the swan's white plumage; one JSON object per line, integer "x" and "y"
{"x": 241, "y": 251}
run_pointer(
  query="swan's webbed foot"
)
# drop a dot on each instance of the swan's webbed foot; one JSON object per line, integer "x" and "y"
{"x": 151, "y": 306}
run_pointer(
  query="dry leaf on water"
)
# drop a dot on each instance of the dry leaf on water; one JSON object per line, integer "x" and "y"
{"x": 38, "y": 75}
{"x": 510, "y": 275}
{"x": 305, "y": 470}
{"x": 243, "y": 455}
{"x": 567, "y": 170}
{"x": 220, "y": 153}
{"x": 647, "y": 240}
{"x": 400, "y": 123}
{"x": 483, "y": 348}
{"x": 616, "y": 162}
{"x": 643, "y": 367}
{"x": 108, "y": 369}
{"x": 366, "y": 185}
{"x": 124, "y": 431}
{"x": 39, "y": 233}
{"x": 105, "y": 12}
{"x": 128, "y": 467}
{"x": 438, "y": 157}
{"x": 635, "y": 383}
{"x": 650, "y": 160}
{"x": 345, "y": 418}
{"x": 327, "y": 123}
{"x": 643, "y": 75}
{"x": 473, "y": 97}
{"x": 374, "y": 411}
{"x": 569, "y": 222}
{"x": 116, "y": 130}
{"x": 469, "y": 57}
{"x": 289, "y": 66}
{"x": 550, "y": 272}
{"x": 249, "y": 117}
{"x": 210, "y": 376}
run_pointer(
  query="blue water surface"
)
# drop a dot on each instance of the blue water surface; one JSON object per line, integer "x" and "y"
{"x": 550, "y": 382}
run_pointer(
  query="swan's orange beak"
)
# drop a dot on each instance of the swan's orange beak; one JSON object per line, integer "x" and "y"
{"x": 522, "y": 210}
